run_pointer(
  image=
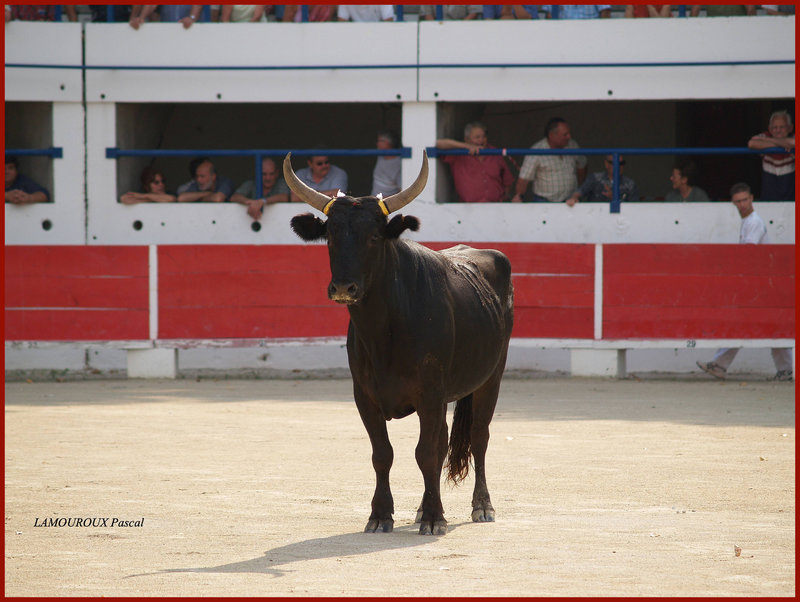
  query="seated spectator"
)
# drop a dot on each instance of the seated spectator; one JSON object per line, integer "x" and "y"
{"x": 38, "y": 12}
{"x": 643, "y": 11}
{"x": 206, "y": 185}
{"x": 317, "y": 13}
{"x": 185, "y": 14}
{"x": 599, "y": 186}
{"x": 578, "y": 11}
{"x": 684, "y": 188}
{"x": 244, "y": 13}
{"x": 20, "y": 189}
{"x": 777, "y": 176}
{"x": 452, "y": 12}
{"x": 273, "y": 190}
{"x": 724, "y": 10}
{"x": 365, "y": 13}
{"x": 322, "y": 177}
{"x": 511, "y": 11}
{"x": 478, "y": 178}
{"x": 386, "y": 178}
{"x": 154, "y": 189}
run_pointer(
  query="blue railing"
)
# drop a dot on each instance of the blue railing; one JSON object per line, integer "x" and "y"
{"x": 259, "y": 155}
{"x": 615, "y": 153}
{"x": 54, "y": 152}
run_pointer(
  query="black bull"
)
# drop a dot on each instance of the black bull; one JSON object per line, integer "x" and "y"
{"x": 426, "y": 328}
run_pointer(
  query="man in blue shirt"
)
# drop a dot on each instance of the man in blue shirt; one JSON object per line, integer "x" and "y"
{"x": 20, "y": 189}
{"x": 322, "y": 177}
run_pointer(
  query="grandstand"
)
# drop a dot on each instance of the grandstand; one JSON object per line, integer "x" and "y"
{"x": 93, "y": 285}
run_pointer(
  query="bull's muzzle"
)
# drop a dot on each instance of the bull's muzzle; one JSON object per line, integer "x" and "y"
{"x": 344, "y": 292}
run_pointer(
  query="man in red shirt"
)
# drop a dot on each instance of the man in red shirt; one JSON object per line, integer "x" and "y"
{"x": 478, "y": 178}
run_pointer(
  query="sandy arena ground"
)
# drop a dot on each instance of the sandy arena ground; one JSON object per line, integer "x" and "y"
{"x": 262, "y": 487}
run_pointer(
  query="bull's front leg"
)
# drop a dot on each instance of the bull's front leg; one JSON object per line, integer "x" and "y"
{"x": 429, "y": 459}
{"x": 380, "y": 520}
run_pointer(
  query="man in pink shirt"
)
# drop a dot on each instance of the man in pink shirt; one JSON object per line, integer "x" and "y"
{"x": 478, "y": 178}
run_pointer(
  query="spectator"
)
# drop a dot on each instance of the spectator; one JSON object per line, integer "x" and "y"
{"x": 599, "y": 186}
{"x": 724, "y": 10}
{"x": 38, "y": 12}
{"x": 243, "y": 13}
{"x": 578, "y": 11}
{"x": 478, "y": 178}
{"x": 317, "y": 13}
{"x": 777, "y": 179}
{"x": 386, "y": 178}
{"x": 186, "y": 14}
{"x": 20, "y": 189}
{"x": 640, "y": 11}
{"x": 751, "y": 232}
{"x": 120, "y": 13}
{"x": 366, "y": 13}
{"x": 273, "y": 190}
{"x": 154, "y": 187}
{"x": 783, "y": 10}
{"x": 322, "y": 177}
{"x": 684, "y": 188}
{"x": 206, "y": 185}
{"x": 454, "y": 12}
{"x": 554, "y": 177}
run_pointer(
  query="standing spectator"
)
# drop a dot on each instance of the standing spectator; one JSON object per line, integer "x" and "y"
{"x": 154, "y": 189}
{"x": 37, "y": 12}
{"x": 640, "y": 11}
{"x": 185, "y": 14}
{"x": 366, "y": 13}
{"x": 724, "y": 10}
{"x": 386, "y": 178}
{"x": 273, "y": 190}
{"x": 478, "y": 178}
{"x": 322, "y": 177}
{"x": 777, "y": 178}
{"x": 599, "y": 186}
{"x": 317, "y": 13}
{"x": 783, "y": 10}
{"x": 684, "y": 185}
{"x": 554, "y": 177}
{"x": 452, "y": 12}
{"x": 578, "y": 11}
{"x": 751, "y": 232}
{"x": 20, "y": 189}
{"x": 120, "y": 13}
{"x": 243, "y": 13}
{"x": 206, "y": 185}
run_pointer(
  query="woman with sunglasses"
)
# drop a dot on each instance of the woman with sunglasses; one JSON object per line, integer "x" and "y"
{"x": 154, "y": 186}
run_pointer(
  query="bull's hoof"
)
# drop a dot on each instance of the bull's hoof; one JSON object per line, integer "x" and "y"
{"x": 438, "y": 527}
{"x": 483, "y": 515}
{"x": 375, "y": 525}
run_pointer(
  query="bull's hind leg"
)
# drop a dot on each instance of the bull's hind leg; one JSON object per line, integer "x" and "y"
{"x": 380, "y": 520}
{"x": 484, "y": 401}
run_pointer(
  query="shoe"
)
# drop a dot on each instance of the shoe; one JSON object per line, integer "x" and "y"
{"x": 713, "y": 369}
{"x": 783, "y": 375}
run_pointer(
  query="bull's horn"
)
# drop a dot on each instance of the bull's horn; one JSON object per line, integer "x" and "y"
{"x": 307, "y": 194}
{"x": 404, "y": 197}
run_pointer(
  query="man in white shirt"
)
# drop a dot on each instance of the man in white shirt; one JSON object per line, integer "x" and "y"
{"x": 753, "y": 231}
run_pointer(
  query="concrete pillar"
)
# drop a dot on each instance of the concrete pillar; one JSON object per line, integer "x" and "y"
{"x": 152, "y": 363}
{"x": 598, "y": 362}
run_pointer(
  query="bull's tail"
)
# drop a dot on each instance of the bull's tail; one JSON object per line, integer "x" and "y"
{"x": 460, "y": 447}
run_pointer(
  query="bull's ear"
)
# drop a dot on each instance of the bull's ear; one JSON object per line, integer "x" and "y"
{"x": 400, "y": 223}
{"x": 308, "y": 227}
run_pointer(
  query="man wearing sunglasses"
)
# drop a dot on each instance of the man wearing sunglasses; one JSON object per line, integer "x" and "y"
{"x": 599, "y": 186}
{"x": 322, "y": 177}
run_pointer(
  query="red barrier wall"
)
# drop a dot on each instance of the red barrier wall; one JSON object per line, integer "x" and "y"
{"x": 76, "y": 293}
{"x": 279, "y": 291}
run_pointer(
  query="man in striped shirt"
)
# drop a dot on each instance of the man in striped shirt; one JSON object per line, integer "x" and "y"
{"x": 777, "y": 180}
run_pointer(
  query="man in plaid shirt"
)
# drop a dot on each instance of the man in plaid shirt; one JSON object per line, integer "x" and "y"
{"x": 554, "y": 177}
